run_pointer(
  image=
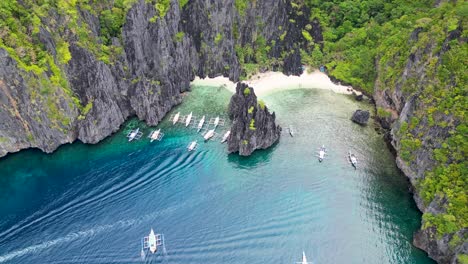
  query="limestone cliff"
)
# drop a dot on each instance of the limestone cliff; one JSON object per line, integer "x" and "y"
{"x": 428, "y": 138}
{"x": 253, "y": 126}
{"x": 140, "y": 72}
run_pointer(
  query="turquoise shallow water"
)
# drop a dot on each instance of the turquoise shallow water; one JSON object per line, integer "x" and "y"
{"x": 93, "y": 203}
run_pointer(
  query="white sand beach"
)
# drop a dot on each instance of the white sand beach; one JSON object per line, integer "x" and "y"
{"x": 268, "y": 82}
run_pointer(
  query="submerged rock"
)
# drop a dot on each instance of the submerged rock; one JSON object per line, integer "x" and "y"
{"x": 253, "y": 126}
{"x": 361, "y": 117}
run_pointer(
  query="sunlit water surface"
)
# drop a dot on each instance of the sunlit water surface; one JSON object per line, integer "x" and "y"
{"x": 94, "y": 203}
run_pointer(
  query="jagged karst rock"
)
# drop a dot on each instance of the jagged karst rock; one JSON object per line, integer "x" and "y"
{"x": 400, "y": 106}
{"x": 253, "y": 126}
{"x": 361, "y": 117}
{"x": 145, "y": 79}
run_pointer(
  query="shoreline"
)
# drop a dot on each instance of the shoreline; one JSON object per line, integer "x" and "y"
{"x": 270, "y": 82}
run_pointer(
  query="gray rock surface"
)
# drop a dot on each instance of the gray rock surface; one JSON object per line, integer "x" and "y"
{"x": 147, "y": 78}
{"x": 401, "y": 107}
{"x": 253, "y": 126}
{"x": 361, "y": 117}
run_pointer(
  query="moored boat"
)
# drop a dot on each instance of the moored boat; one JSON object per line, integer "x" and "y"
{"x": 155, "y": 135}
{"x": 200, "y": 124}
{"x": 209, "y": 134}
{"x": 192, "y": 145}
{"x": 352, "y": 159}
{"x": 176, "y": 118}
{"x": 226, "y": 136}
{"x": 189, "y": 118}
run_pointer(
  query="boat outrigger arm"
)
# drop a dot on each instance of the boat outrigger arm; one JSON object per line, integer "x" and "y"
{"x": 151, "y": 243}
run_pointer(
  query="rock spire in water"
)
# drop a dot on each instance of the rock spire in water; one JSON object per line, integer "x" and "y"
{"x": 253, "y": 126}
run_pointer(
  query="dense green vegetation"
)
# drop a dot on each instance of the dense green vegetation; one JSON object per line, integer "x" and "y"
{"x": 369, "y": 41}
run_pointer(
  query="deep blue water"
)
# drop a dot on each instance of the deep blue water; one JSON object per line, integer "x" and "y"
{"x": 93, "y": 203}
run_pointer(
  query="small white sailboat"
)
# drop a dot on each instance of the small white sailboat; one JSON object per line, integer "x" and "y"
{"x": 200, "y": 124}
{"x": 216, "y": 122}
{"x": 226, "y": 136}
{"x": 321, "y": 153}
{"x": 134, "y": 134}
{"x": 155, "y": 135}
{"x": 189, "y": 118}
{"x": 176, "y": 118}
{"x": 352, "y": 159}
{"x": 192, "y": 145}
{"x": 209, "y": 134}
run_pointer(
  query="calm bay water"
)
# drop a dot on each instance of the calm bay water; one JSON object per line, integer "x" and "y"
{"x": 93, "y": 203}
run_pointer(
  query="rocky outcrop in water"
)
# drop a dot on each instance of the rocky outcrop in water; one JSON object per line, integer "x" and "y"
{"x": 253, "y": 126}
{"x": 361, "y": 117}
{"x": 154, "y": 60}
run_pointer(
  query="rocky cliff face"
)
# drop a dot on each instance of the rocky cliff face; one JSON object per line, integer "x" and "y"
{"x": 88, "y": 98}
{"x": 419, "y": 131}
{"x": 253, "y": 126}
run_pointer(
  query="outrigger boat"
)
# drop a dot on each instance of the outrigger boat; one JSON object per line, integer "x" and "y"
{"x": 216, "y": 122}
{"x": 176, "y": 118}
{"x": 189, "y": 118}
{"x": 200, "y": 124}
{"x": 291, "y": 131}
{"x": 156, "y": 135}
{"x": 134, "y": 134}
{"x": 209, "y": 134}
{"x": 352, "y": 159}
{"x": 226, "y": 136}
{"x": 304, "y": 259}
{"x": 151, "y": 243}
{"x": 322, "y": 153}
{"x": 192, "y": 146}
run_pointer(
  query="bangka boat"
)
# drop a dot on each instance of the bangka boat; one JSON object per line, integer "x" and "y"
{"x": 192, "y": 146}
{"x": 226, "y": 136}
{"x": 151, "y": 243}
{"x": 304, "y": 259}
{"x": 156, "y": 135}
{"x": 209, "y": 134}
{"x": 200, "y": 124}
{"x": 216, "y": 122}
{"x": 176, "y": 118}
{"x": 291, "y": 131}
{"x": 352, "y": 159}
{"x": 321, "y": 153}
{"x": 189, "y": 118}
{"x": 134, "y": 134}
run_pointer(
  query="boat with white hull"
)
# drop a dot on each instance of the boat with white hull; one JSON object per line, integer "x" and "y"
{"x": 156, "y": 135}
{"x": 134, "y": 134}
{"x": 216, "y": 122}
{"x": 352, "y": 159}
{"x": 192, "y": 146}
{"x": 176, "y": 118}
{"x": 209, "y": 134}
{"x": 151, "y": 243}
{"x": 189, "y": 118}
{"x": 226, "y": 136}
{"x": 322, "y": 153}
{"x": 304, "y": 259}
{"x": 200, "y": 124}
